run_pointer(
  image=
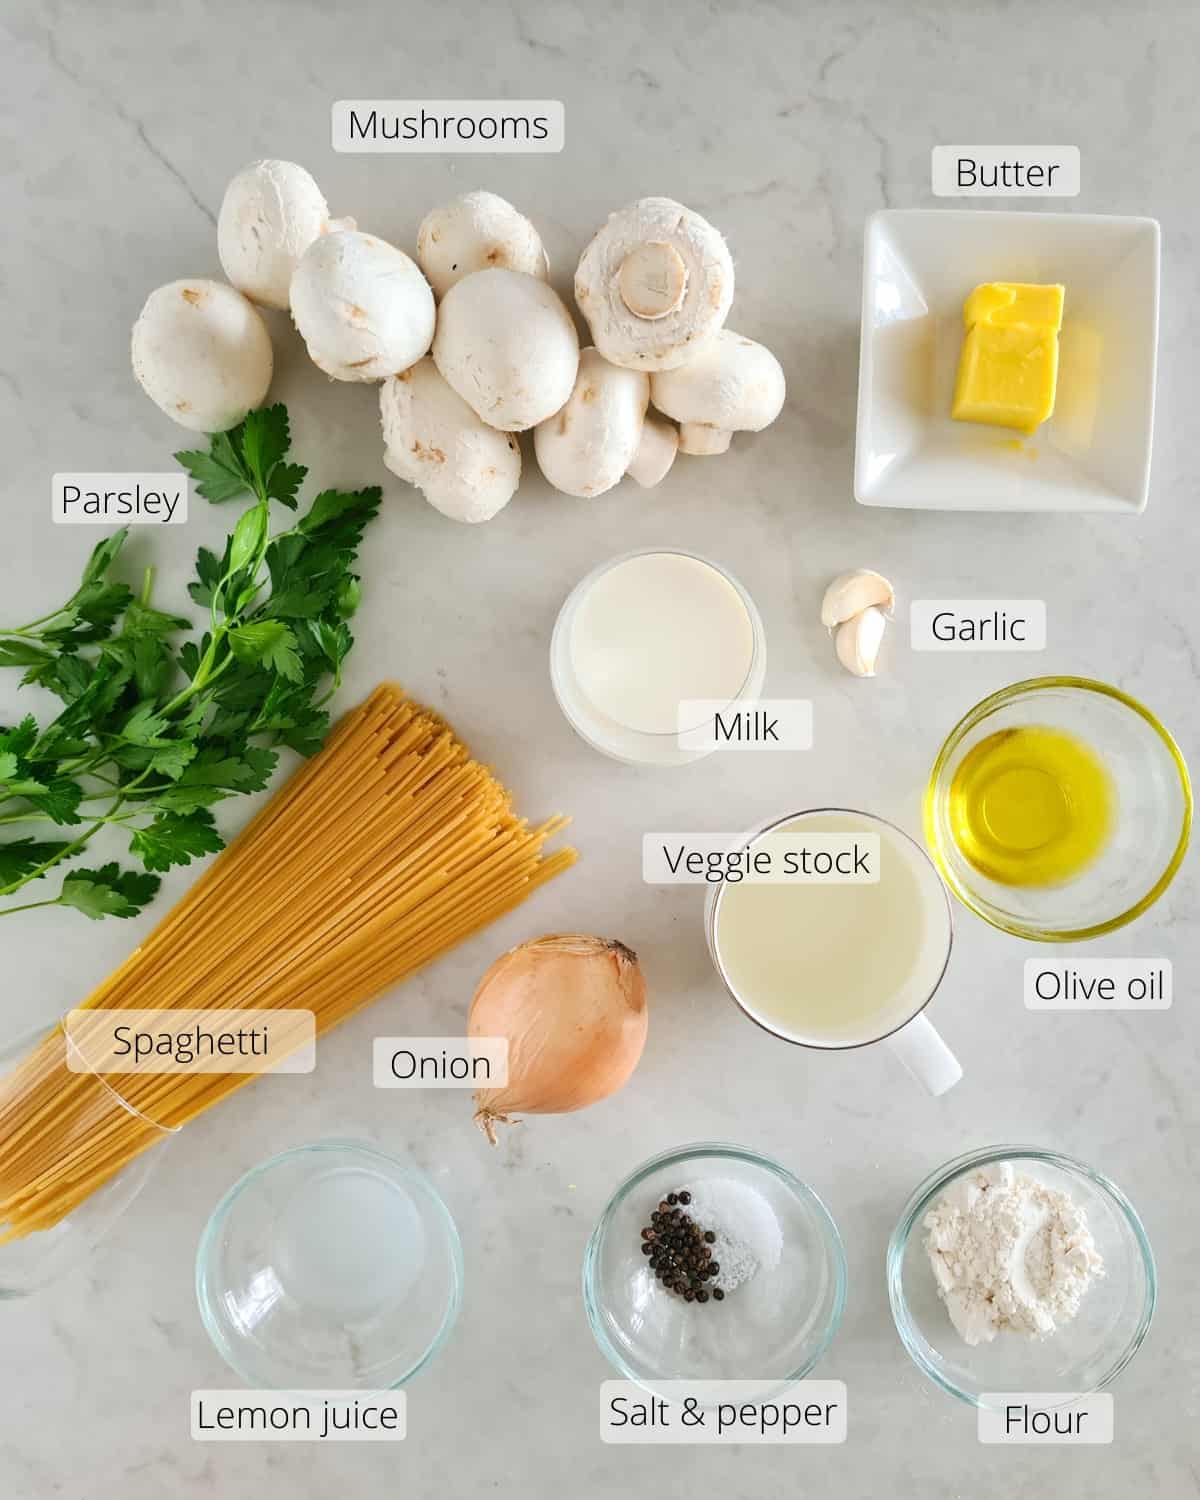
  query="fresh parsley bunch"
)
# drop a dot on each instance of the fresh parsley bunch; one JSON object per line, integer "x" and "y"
{"x": 151, "y": 733}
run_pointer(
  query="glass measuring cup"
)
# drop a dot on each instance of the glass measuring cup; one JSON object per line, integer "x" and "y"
{"x": 895, "y": 1016}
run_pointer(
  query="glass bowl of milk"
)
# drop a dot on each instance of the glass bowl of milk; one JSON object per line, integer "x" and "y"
{"x": 332, "y": 1266}
{"x": 643, "y": 643}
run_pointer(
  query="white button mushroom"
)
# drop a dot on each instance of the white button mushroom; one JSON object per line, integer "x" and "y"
{"x": 507, "y": 345}
{"x": 271, "y": 213}
{"x": 733, "y": 385}
{"x": 654, "y": 285}
{"x": 202, "y": 353}
{"x": 432, "y": 438}
{"x": 362, "y": 306}
{"x": 476, "y": 232}
{"x": 601, "y": 434}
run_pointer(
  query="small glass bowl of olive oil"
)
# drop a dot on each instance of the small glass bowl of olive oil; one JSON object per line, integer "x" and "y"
{"x": 1058, "y": 809}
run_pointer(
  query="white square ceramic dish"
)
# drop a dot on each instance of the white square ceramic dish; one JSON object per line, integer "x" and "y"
{"x": 1094, "y": 452}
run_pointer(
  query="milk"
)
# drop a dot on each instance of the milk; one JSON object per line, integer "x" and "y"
{"x": 655, "y": 630}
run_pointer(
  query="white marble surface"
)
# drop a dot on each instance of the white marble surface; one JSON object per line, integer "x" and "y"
{"x": 120, "y": 125}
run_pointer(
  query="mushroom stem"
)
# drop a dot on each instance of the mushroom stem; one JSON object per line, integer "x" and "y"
{"x": 652, "y": 279}
{"x": 655, "y": 453}
{"x": 702, "y": 440}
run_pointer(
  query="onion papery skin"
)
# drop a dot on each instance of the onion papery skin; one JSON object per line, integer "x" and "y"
{"x": 574, "y": 1011}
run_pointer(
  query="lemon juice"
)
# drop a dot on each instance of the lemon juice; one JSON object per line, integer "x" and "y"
{"x": 1031, "y": 806}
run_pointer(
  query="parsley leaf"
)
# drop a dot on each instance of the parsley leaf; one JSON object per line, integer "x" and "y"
{"x": 104, "y": 554}
{"x": 21, "y": 740}
{"x": 59, "y": 800}
{"x": 15, "y": 653}
{"x": 108, "y": 891}
{"x": 220, "y": 474}
{"x": 271, "y": 643}
{"x": 176, "y": 839}
{"x": 209, "y": 572}
{"x": 240, "y": 769}
{"x": 19, "y": 858}
{"x": 339, "y": 517}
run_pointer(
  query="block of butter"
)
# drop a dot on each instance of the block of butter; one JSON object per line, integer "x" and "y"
{"x": 1008, "y": 369}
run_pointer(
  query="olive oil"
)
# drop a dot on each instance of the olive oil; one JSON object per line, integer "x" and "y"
{"x": 1031, "y": 806}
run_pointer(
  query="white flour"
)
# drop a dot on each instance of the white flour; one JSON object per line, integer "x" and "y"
{"x": 749, "y": 1238}
{"x": 1009, "y": 1254}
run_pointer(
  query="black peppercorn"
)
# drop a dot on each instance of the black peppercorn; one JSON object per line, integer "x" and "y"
{"x": 679, "y": 1250}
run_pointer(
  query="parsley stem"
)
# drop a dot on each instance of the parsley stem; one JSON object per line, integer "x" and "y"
{"x": 31, "y": 627}
{"x": 8, "y": 911}
{"x": 205, "y": 674}
{"x": 57, "y": 859}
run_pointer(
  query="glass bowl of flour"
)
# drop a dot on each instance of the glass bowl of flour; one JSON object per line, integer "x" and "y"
{"x": 781, "y": 1274}
{"x": 1014, "y": 1269}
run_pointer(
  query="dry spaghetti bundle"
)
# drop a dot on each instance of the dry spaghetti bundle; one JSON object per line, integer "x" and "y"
{"x": 385, "y": 850}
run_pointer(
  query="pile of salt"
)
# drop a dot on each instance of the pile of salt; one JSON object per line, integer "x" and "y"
{"x": 748, "y": 1236}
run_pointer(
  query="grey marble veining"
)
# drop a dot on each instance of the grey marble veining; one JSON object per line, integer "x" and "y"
{"x": 119, "y": 127}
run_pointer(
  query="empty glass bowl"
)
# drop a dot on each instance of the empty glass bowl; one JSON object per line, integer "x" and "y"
{"x": 1151, "y": 821}
{"x": 1084, "y": 1354}
{"x": 331, "y": 1266}
{"x": 772, "y": 1328}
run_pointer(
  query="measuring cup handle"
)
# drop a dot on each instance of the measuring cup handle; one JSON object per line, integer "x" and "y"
{"x": 925, "y": 1055}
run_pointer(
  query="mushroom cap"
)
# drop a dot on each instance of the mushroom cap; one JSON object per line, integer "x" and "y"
{"x": 666, "y": 261}
{"x": 475, "y": 232}
{"x": 585, "y": 448}
{"x": 733, "y": 383}
{"x": 507, "y": 345}
{"x": 362, "y": 306}
{"x": 433, "y": 439}
{"x": 202, "y": 353}
{"x": 271, "y": 213}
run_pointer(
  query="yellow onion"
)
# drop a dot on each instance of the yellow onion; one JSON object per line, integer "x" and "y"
{"x": 573, "y": 1009}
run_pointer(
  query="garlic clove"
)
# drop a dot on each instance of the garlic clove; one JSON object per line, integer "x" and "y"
{"x": 858, "y": 640}
{"x": 850, "y": 593}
